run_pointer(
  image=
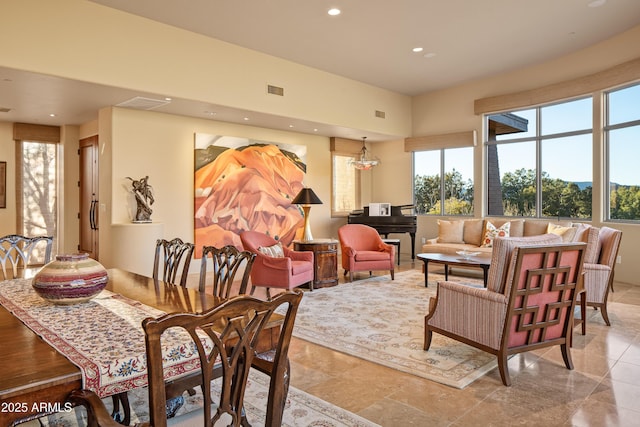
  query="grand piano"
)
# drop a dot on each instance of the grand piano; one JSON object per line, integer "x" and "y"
{"x": 397, "y": 222}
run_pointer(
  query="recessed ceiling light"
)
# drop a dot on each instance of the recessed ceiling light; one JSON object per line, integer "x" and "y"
{"x": 334, "y": 11}
{"x": 290, "y": 126}
{"x": 429, "y": 55}
{"x": 167, "y": 99}
{"x": 417, "y": 49}
{"x": 246, "y": 118}
{"x": 52, "y": 115}
{"x": 596, "y": 3}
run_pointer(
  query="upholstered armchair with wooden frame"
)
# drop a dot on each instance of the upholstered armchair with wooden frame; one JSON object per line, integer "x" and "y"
{"x": 363, "y": 250}
{"x": 225, "y": 263}
{"x": 599, "y": 268}
{"x": 277, "y": 266}
{"x": 528, "y": 304}
{"x": 172, "y": 260}
{"x": 231, "y": 331}
{"x": 18, "y": 253}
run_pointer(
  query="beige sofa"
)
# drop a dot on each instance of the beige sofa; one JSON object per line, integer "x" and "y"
{"x": 469, "y": 234}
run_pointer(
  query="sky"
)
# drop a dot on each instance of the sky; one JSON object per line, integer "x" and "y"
{"x": 568, "y": 158}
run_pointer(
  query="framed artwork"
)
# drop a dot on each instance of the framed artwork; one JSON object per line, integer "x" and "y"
{"x": 245, "y": 184}
{"x": 3, "y": 184}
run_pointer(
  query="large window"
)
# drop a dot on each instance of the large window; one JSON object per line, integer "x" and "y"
{"x": 38, "y": 189}
{"x": 346, "y": 188}
{"x": 443, "y": 181}
{"x": 622, "y": 139}
{"x": 539, "y": 161}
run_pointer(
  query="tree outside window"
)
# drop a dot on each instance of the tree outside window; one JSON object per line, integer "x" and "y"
{"x": 38, "y": 189}
{"x": 443, "y": 175}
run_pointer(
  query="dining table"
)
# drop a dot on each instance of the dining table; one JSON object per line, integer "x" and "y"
{"x": 39, "y": 368}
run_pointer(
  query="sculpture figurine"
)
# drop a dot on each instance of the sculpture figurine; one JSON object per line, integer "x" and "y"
{"x": 144, "y": 199}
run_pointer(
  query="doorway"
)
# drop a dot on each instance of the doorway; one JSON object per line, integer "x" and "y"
{"x": 89, "y": 208}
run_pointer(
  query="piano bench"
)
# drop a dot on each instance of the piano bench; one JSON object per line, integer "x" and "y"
{"x": 396, "y": 243}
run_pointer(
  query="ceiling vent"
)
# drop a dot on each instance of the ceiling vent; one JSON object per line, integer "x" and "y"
{"x": 380, "y": 114}
{"x": 142, "y": 103}
{"x": 4, "y": 109}
{"x": 275, "y": 90}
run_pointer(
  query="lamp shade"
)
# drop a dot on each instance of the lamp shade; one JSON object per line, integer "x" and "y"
{"x": 306, "y": 196}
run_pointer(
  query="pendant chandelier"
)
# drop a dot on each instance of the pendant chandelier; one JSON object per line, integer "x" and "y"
{"x": 364, "y": 161}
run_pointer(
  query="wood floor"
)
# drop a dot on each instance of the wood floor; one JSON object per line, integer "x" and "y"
{"x": 602, "y": 390}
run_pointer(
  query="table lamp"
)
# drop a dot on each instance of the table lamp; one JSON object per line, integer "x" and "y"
{"x": 306, "y": 197}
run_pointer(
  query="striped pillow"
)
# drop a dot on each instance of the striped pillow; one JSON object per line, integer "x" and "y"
{"x": 274, "y": 251}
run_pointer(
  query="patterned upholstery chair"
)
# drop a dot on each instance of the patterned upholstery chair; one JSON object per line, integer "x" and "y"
{"x": 513, "y": 314}
{"x": 600, "y": 260}
{"x": 363, "y": 250}
{"x": 276, "y": 266}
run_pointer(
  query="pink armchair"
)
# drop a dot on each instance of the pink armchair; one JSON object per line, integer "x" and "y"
{"x": 528, "y": 304}
{"x": 363, "y": 250}
{"x": 600, "y": 262}
{"x": 282, "y": 269}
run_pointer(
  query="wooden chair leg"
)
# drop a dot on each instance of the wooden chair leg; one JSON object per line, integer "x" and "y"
{"x": 566, "y": 356}
{"x": 428, "y": 334}
{"x": 504, "y": 368}
{"x": 583, "y": 312}
{"x": 605, "y": 315}
{"x": 126, "y": 409}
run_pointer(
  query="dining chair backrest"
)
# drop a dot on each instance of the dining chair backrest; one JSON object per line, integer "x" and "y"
{"x": 20, "y": 252}
{"x": 225, "y": 339}
{"x": 226, "y": 263}
{"x": 172, "y": 260}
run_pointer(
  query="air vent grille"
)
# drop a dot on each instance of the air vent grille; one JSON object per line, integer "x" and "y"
{"x": 275, "y": 90}
{"x": 142, "y": 103}
{"x": 381, "y": 114}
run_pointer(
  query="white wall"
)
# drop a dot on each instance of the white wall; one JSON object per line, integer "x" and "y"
{"x": 89, "y": 42}
{"x": 161, "y": 146}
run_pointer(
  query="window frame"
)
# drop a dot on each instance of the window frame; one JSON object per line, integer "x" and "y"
{"x": 20, "y": 186}
{"x": 335, "y": 213}
{"x": 606, "y": 143}
{"x": 538, "y": 140}
{"x": 442, "y": 175}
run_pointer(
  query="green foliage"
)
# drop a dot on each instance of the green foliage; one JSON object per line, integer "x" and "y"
{"x": 625, "y": 202}
{"x": 559, "y": 198}
{"x": 458, "y": 193}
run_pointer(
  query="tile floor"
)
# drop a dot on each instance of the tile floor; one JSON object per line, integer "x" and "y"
{"x": 602, "y": 390}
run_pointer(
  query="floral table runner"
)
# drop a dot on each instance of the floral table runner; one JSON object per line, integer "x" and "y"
{"x": 103, "y": 336}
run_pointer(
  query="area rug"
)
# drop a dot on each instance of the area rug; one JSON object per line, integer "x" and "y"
{"x": 301, "y": 410}
{"x": 382, "y": 321}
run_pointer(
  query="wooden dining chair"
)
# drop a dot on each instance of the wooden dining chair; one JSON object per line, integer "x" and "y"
{"x": 171, "y": 265}
{"x": 226, "y": 339}
{"x": 225, "y": 264}
{"x": 172, "y": 260}
{"x": 18, "y": 253}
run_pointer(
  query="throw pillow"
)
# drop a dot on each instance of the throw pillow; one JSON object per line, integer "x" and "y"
{"x": 473, "y": 231}
{"x": 450, "y": 231}
{"x": 274, "y": 251}
{"x": 491, "y": 232}
{"x": 591, "y": 236}
{"x": 567, "y": 233}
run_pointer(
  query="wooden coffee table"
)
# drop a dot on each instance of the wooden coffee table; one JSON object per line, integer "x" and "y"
{"x": 479, "y": 261}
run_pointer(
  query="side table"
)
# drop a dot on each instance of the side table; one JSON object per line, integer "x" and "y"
{"x": 325, "y": 259}
{"x": 396, "y": 243}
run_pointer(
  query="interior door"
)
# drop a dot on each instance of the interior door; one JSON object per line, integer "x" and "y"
{"x": 89, "y": 196}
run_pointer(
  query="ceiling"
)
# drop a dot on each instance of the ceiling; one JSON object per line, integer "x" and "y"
{"x": 370, "y": 41}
